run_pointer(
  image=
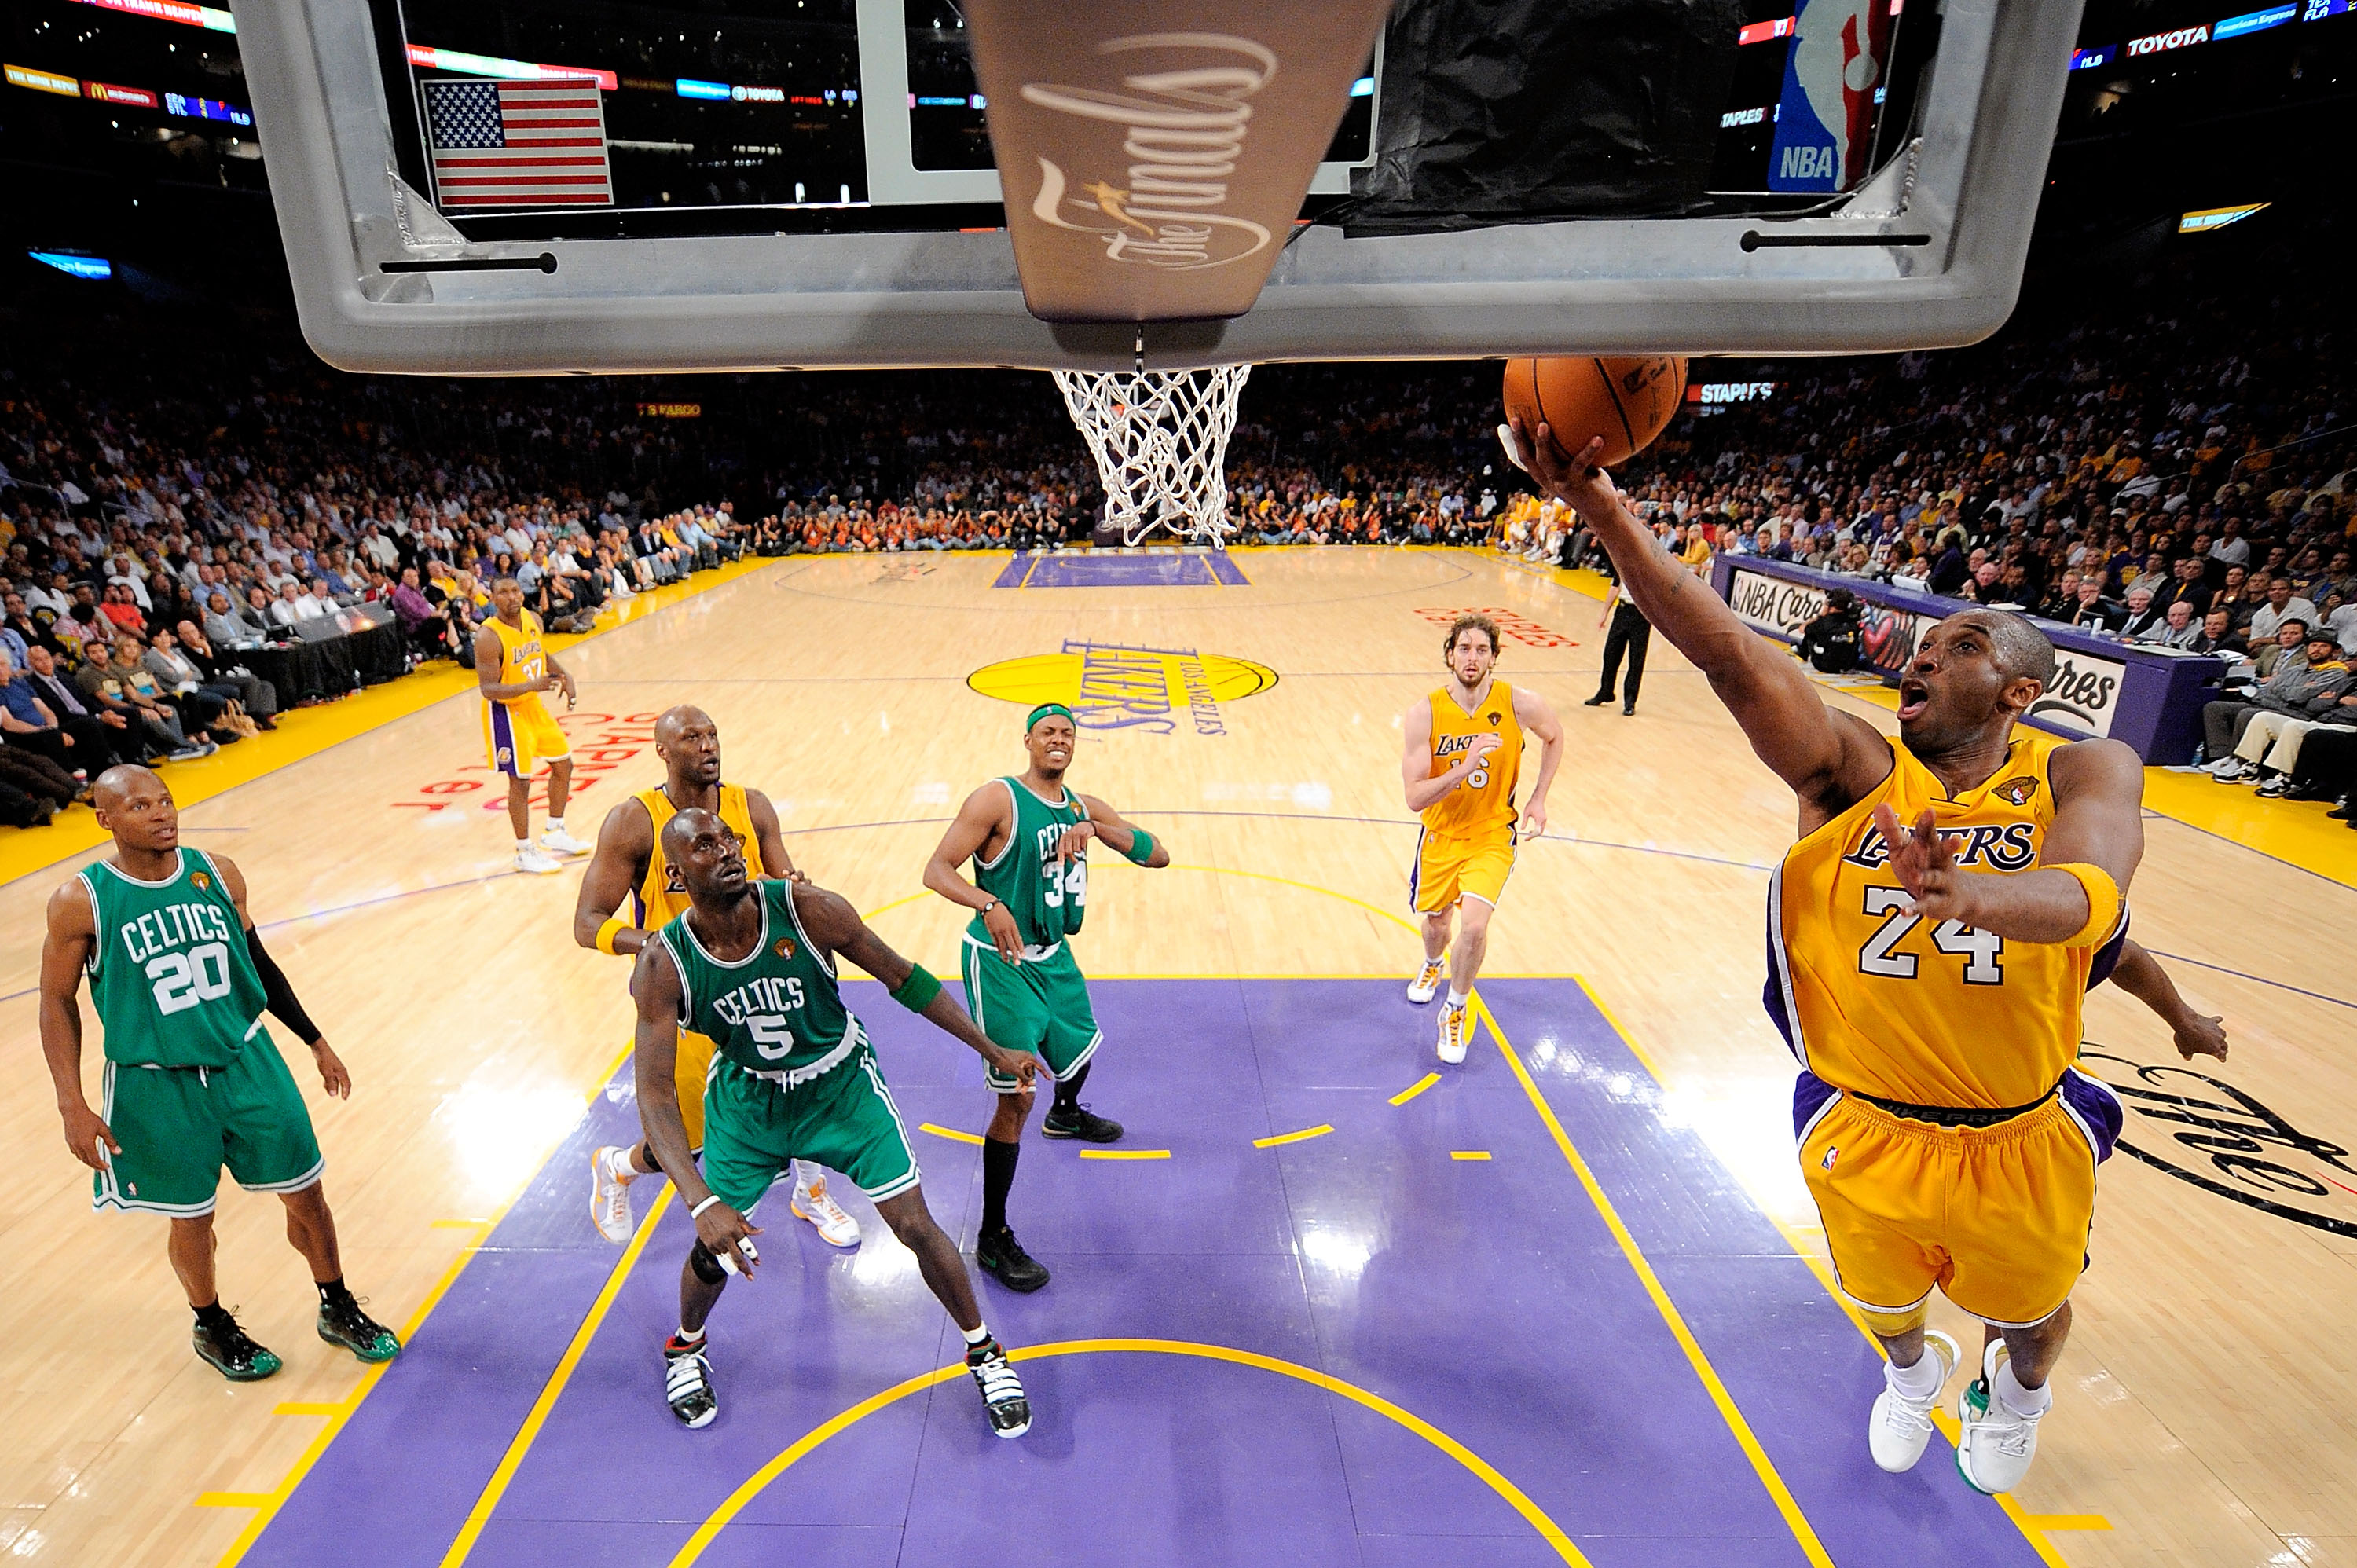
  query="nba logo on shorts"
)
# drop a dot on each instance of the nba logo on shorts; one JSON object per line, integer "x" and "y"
{"x": 1830, "y": 1155}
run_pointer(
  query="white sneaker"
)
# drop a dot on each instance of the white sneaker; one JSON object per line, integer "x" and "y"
{"x": 563, "y": 843}
{"x": 1993, "y": 1451}
{"x": 530, "y": 858}
{"x": 2226, "y": 769}
{"x": 1426, "y": 983}
{"x": 834, "y": 1227}
{"x": 610, "y": 1176}
{"x": 1900, "y": 1428}
{"x": 1455, "y": 1034}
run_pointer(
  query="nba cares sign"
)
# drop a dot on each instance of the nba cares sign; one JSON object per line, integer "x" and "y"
{"x": 1153, "y": 155}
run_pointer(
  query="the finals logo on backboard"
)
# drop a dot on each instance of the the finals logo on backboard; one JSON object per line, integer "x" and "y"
{"x": 1839, "y": 57}
{"x": 1113, "y": 686}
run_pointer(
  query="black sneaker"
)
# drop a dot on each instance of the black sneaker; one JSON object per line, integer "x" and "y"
{"x": 1001, "y": 1257}
{"x": 1080, "y": 1122}
{"x": 687, "y": 1384}
{"x": 2346, "y": 811}
{"x": 1002, "y": 1391}
{"x": 228, "y": 1351}
{"x": 344, "y": 1324}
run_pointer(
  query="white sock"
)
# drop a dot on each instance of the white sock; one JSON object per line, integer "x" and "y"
{"x": 1457, "y": 998}
{"x": 977, "y": 1334}
{"x": 522, "y": 844}
{"x": 557, "y": 825}
{"x": 685, "y": 1336}
{"x": 802, "y": 1179}
{"x": 2018, "y": 1400}
{"x": 1919, "y": 1383}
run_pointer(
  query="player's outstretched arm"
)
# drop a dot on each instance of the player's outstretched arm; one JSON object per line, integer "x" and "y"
{"x": 772, "y": 838}
{"x": 834, "y": 924}
{"x": 1535, "y": 717}
{"x": 2140, "y": 975}
{"x": 278, "y": 992}
{"x": 65, "y": 951}
{"x": 2089, "y": 853}
{"x": 625, "y": 841}
{"x": 1125, "y": 839}
{"x": 986, "y": 811}
{"x": 655, "y": 1061}
{"x": 1830, "y": 760}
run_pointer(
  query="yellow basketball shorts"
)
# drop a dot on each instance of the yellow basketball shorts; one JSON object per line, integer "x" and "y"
{"x": 1448, "y": 869}
{"x": 518, "y": 736}
{"x": 1996, "y": 1218}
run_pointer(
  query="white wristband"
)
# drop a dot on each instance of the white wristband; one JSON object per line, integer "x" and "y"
{"x": 697, "y": 1212}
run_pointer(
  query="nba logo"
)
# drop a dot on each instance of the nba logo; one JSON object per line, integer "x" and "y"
{"x": 1824, "y": 122}
{"x": 1830, "y": 1155}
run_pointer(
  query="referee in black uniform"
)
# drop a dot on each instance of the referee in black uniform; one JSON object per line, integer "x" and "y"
{"x": 1631, "y": 634}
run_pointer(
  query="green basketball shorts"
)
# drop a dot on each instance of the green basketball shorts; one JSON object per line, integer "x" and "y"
{"x": 1040, "y": 1005}
{"x": 754, "y": 1127}
{"x": 179, "y": 1126}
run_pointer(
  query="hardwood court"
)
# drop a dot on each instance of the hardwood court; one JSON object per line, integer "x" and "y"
{"x": 2203, "y": 1412}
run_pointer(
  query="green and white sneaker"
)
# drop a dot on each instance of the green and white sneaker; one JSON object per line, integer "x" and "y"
{"x": 1995, "y": 1447}
{"x": 228, "y": 1351}
{"x": 344, "y": 1325}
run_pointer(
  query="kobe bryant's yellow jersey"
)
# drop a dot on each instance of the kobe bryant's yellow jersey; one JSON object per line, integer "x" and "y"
{"x": 1876, "y": 1000}
{"x": 1484, "y": 802}
{"x": 660, "y": 894}
{"x": 522, "y": 658}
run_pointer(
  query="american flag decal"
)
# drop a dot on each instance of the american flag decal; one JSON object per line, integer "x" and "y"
{"x": 518, "y": 144}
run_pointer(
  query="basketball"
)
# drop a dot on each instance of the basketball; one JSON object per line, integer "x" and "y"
{"x": 1627, "y": 400}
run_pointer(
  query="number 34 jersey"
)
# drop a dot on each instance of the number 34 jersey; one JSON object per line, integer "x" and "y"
{"x": 1047, "y": 900}
{"x": 170, "y": 973}
{"x": 1878, "y": 1001}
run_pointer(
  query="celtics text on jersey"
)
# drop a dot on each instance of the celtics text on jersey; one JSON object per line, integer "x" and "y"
{"x": 170, "y": 973}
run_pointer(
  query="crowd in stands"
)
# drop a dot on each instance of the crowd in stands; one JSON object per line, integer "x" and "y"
{"x": 2163, "y": 464}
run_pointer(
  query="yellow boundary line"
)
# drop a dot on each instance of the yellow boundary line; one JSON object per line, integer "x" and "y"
{"x": 720, "y": 1517}
{"x": 1469, "y": 1153}
{"x": 267, "y": 1509}
{"x": 1307, "y": 1133}
{"x": 1786, "y": 1504}
{"x": 2023, "y": 1520}
{"x": 529, "y": 1432}
{"x": 1125, "y": 1154}
{"x": 948, "y": 1133}
{"x": 1412, "y": 1089}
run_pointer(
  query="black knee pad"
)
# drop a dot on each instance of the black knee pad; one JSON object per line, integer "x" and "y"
{"x": 706, "y": 1264}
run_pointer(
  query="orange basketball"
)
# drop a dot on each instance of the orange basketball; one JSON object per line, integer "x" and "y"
{"x": 1626, "y": 401}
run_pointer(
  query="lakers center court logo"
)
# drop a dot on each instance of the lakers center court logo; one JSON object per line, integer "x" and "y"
{"x": 1115, "y": 686}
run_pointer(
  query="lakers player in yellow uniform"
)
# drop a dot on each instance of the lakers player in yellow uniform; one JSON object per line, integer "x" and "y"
{"x": 512, "y": 668}
{"x": 1464, "y": 756}
{"x": 1931, "y": 938}
{"x": 629, "y": 866}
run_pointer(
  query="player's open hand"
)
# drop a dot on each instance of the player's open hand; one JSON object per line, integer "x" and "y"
{"x": 720, "y": 1228}
{"x": 89, "y": 1137}
{"x": 2198, "y": 1036}
{"x": 1580, "y": 483}
{"x": 333, "y": 1077}
{"x": 1073, "y": 841}
{"x": 999, "y": 921}
{"x": 1925, "y": 863}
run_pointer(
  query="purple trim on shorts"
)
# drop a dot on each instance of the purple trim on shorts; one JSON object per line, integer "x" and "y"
{"x": 2097, "y": 1107}
{"x": 503, "y": 740}
{"x": 1810, "y": 1094}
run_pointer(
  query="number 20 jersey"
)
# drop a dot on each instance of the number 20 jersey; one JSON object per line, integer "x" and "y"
{"x": 1878, "y": 1000}
{"x": 170, "y": 973}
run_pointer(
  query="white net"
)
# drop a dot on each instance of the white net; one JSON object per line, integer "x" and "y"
{"x": 1161, "y": 440}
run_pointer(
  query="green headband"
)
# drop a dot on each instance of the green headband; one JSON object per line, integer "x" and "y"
{"x": 1043, "y": 710}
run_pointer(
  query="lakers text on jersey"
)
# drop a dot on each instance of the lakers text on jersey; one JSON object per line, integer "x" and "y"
{"x": 519, "y": 734}
{"x": 1466, "y": 847}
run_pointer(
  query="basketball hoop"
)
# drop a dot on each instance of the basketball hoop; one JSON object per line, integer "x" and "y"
{"x": 1161, "y": 440}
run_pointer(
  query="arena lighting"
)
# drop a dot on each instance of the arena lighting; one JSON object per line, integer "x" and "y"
{"x": 209, "y": 17}
{"x": 95, "y": 268}
{"x": 2210, "y": 218}
{"x": 467, "y": 64}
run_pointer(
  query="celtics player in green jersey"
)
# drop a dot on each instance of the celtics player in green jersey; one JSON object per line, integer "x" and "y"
{"x": 192, "y": 1081}
{"x": 751, "y": 966}
{"x": 1028, "y": 839}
